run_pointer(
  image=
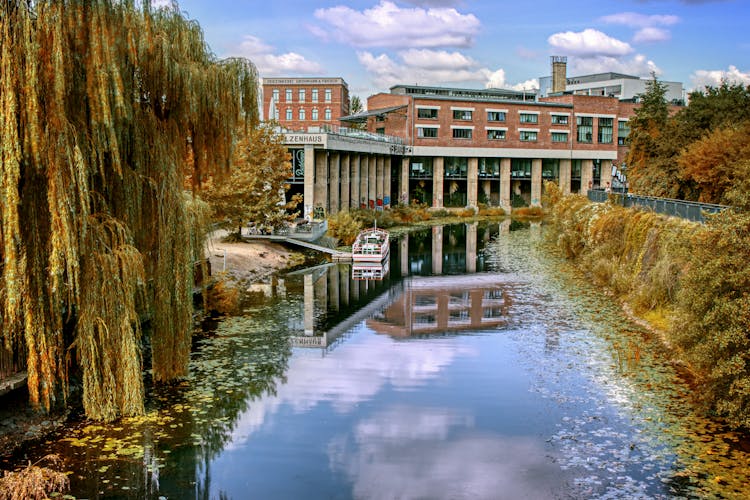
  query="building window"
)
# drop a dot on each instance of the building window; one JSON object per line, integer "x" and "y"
{"x": 455, "y": 166}
{"x": 559, "y": 119}
{"x": 427, "y": 132}
{"x": 328, "y": 95}
{"x": 380, "y": 130}
{"x": 427, "y": 114}
{"x": 328, "y": 113}
{"x": 550, "y": 169}
{"x": 622, "y": 132}
{"x": 314, "y": 96}
{"x": 495, "y": 116}
{"x": 288, "y": 113}
{"x": 559, "y": 137}
{"x": 529, "y": 118}
{"x": 496, "y": 135}
{"x": 275, "y": 95}
{"x": 275, "y": 113}
{"x": 520, "y": 167}
{"x": 527, "y": 135}
{"x": 301, "y": 95}
{"x": 585, "y": 128}
{"x": 461, "y": 114}
{"x": 489, "y": 167}
{"x": 315, "y": 114}
{"x": 462, "y": 133}
{"x": 575, "y": 169}
{"x": 288, "y": 95}
{"x": 605, "y": 131}
{"x": 301, "y": 113}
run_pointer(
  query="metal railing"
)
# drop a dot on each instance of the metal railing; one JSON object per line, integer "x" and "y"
{"x": 690, "y": 210}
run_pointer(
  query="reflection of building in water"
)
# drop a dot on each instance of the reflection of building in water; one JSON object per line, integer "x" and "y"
{"x": 370, "y": 270}
{"x": 445, "y": 303}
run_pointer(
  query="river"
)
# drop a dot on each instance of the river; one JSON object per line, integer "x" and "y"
{"x": 479, "y": 367}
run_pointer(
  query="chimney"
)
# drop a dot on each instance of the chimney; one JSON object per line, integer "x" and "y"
{"x": 559, "y": 73}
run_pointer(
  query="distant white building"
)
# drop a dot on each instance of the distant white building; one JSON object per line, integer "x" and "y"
{"x": 624, "y": 87}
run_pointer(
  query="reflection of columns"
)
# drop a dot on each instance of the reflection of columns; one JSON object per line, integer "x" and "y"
{"x": 333, "y": 288}
{"x": 536, "y": 182}
{"x": 587, "y": 175}
{"x": 403, "y": 244}
{"x": 309, "y": 191}
{"x": 472, "y": 181}
{"x": 372, "y": 179}
{"x": 355, "y": 288}
{"x": 321, "y": 179}
{"x": 403, "y": 195}
{"x": 345, "y": 194}
{"x": 309, "y": 305}
{"x": 438, "y": 172}
{"x": 471, "y": 248}
{"x": 355, "y": 161}
{"x": 505, "y": 226}
{"x": 486, "y": 186}
{"x": 321, "y": 293}
{"x": 437, "y": 250}
{"x": 505, "y": 184}
{"x": 335, "y": 188}
{"x": 344, "y": 282}
{"x": 565, "y": 176}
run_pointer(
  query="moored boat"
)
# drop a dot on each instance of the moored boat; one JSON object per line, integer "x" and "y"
{"x": 371, "y": 245}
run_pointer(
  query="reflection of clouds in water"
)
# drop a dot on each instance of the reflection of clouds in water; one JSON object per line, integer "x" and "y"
{"x": 355, "y": 372}
{"x": 408, "y": 452}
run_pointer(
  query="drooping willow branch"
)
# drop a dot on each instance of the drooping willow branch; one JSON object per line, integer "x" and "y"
{"x": 102, "y": 103}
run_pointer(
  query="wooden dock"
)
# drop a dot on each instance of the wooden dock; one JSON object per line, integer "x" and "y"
{"x": 336, "y": 255}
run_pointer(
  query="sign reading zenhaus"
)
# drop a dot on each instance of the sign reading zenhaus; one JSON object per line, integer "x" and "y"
{"x": 303, "y": 139}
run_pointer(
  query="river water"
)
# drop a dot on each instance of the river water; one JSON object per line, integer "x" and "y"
{"x": 478, "y": 367}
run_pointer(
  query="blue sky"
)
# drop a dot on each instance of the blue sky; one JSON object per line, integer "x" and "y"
{"x": 374, "y": 44}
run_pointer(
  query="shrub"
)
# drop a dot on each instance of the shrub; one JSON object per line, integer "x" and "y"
{"x": 528, "y": 212}
{"x": 491, "y": 211}
{"x": 33, "y": 482}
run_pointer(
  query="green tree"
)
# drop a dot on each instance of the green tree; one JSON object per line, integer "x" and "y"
{"x": 254, "y": 189}
{"x": 356, "y": 106}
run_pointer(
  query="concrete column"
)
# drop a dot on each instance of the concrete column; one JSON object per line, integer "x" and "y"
{"x": 472, "y": 182}
{"x": 606, "y": 179}
{"x": 437, "y": 250}
{"x": 309, "y": 191}
{"x": 372, "y": 180}
{"x": 334, "y": 169}
{"x": 565, "y": 176}
{"x": 403, "y": 251}
{"x": 587, "y": 175}
{"x": 403, "y": 195}
{"x": 308, "y": 319}
{"x": 505, "y": 184}
{"x": 364, "y": 178}
{"x": 471, "y": 248}
{"x": 354, "y": 180}
{"x": 536, "y": 182}
{"x": 380, "y": 179}
{"x": 387, "y": 195}
{"x": 321, "y": 180}
{"x": 438, "y": 172}
{"x": 345, "y": 183}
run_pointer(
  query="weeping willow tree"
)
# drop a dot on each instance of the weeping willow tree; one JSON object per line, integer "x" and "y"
{"x": 101, "y": 103}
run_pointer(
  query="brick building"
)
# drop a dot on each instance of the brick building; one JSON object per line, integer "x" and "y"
{"x": 301, "y": 103}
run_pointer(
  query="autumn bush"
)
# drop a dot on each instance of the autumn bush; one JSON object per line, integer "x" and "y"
{"x": 344, "y": 226}
{"x": 692, "y": 280}
{"x": 34, "y": 482}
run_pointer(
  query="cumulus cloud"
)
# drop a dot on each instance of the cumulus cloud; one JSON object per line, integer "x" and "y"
{"x": 429, "y": 67}
{"x": 714, "y": 78}
{"x": 635, "y": 20}
{"x": 388, "y": 25}
{"x": 638, "y": 65}
{"x": 650, "y": 35}
{"x": 270, "y": 64}
{"x": 589, "y": 43}
{"x": 497, "y": 80}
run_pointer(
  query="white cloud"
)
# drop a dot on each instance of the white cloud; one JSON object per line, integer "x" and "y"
{"x": 638, "y": 65}
{"x": 496, "y": 80}
{"x": 429, "y": 67}
{"x": 589, "y": 43}
{"x": 270, "y": 64}
{"x": 635, "y": 20}
{"x": 168, "y": 4}
{"x": 651, "y": 34}
{"x": 388, "y": 25}
{"x": 714, "y": 78}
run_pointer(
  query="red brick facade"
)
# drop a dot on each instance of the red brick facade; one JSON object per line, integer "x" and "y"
{"x": 301, "y": 104}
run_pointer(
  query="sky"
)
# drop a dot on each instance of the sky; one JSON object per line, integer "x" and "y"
{"x": 375, "y": 44}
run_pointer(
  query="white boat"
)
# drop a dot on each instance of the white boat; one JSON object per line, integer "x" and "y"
{"x": 371, "y": 245}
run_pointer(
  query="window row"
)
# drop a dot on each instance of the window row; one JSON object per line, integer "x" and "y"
{"x": 302, "y": 95}
{"x": 492, "y": 134}
{"x": 585, "y": 130}
{"x": 431, "y": 113}
{"x": 302, "y": 114}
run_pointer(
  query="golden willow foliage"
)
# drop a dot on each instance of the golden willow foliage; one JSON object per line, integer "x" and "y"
{"x": 100, "y": 104}
{"x": 695, "y": 277}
